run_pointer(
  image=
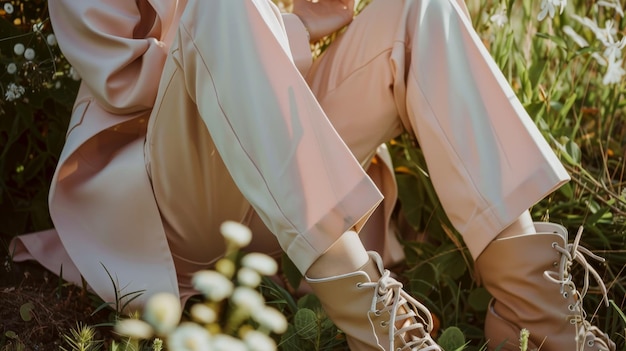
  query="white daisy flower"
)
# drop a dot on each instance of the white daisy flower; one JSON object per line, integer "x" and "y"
{"x": 14, "y": 92}
{"x": 163, "y": 312}
{"x": 11, "y": 68}
{"x": 257, "y": 341}
{"x": 134, "y": 328}
{"x": 248, "y": 299}
{"x": 271, "y": 318}
{"x": 29, "y": 54}
{"x": 248, "y": 277}
{"x": 236, "y": 233}
{"x": 212, "y": 284}
{"x": 614, "y": 72}
{"x": 189, "y": 337}
{"x": 579, "y": 40}
{"x": 19, "y": 49}
{"x": 548, "y": 8}
{"x": 38, "y": 27}
{"x": 612, "y": 4}
{"x": 74, "y": 74}
{"x": 51, "y": 39}
{"x": 499, "y": 18}
{"x": 261, "y": 263}
{"x": 223, "y": 342}
{"x": 203, "y": 313}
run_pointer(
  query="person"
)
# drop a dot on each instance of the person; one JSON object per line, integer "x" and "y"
{"x": 194, "y": 112}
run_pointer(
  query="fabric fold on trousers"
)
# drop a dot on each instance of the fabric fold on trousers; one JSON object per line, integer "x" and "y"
{"x": 275, "y": 140}
{"x": 486, "y": 157}
{"x": 431, "y": 74}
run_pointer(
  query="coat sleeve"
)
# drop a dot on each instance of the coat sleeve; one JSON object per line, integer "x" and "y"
{"x": 107, "y": 43}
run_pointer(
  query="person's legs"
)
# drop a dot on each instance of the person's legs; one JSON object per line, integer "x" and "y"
{"x": 353, "y": 82}
{"x": 194, "y": 192}
{"x": 487, "y": 160}
{"x": 497, "y": 165}
{"x": 419, "y": 65}
{"x": 464, "y": 111}
{"x": 229, "y": 73}
{"x": 271, "y": 136}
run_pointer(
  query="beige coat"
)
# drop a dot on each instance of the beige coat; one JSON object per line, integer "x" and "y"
{"x": 427, "y": 73}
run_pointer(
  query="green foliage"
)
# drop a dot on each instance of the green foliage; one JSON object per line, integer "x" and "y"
{"x": 82, "y": 338}
{"x": 10, "y": 341}
{"x": 452, "y": 339}
{"x": 310, "y": 329}
{"x": 36, "y": 96}
{"x": 26, "y": 311}
{"x": 121, "y": 300}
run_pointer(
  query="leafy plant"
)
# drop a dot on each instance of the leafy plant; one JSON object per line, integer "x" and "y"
{"x": 37, "y": 89}
{"x": 82, "y": 338}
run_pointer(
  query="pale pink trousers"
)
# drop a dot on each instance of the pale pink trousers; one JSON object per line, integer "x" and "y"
{"x": 237, "y": 132}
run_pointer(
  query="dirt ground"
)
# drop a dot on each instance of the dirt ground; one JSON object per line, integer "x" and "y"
{"x": 37, "y": 309}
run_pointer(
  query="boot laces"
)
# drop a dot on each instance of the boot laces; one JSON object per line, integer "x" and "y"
{"x": 414, "y": 334}
{"x": 587, "y": 335}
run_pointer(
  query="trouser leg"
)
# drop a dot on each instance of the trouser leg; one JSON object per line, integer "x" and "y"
{"x": 193, "y": 189}
{"x": 422, "y": 63}
{"x": 496, "y": 164}
{"x": 352, "y": 80}
{"x": 273, "y": 138}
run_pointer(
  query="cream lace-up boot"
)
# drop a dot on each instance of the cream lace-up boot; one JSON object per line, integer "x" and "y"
{"x": 373, "y": 310}
{"x": 530, "y": 280}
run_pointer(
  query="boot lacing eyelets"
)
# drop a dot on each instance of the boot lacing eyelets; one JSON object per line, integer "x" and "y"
{"x": 389, "y": 297}
{"x": 575, "y": 253}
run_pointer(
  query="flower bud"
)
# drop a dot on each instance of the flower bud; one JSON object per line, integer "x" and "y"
{"x": 163, "y": 311}
{"x": 51, "y": 39}
{"x": 248, "y": 277}
{"x": 11, "y": 68}
{"x": 261, "y": 263}
{"x": 271, "y": 318}
{"x": 134, "y": 328}
{"x": 248, "y": 299}
{"x": 18, "y": 49}
{"x": 257, "y": 341}
{"x": 29, "y": 54}
{"x": 212, "y": 284}
{"x": 236, "y": 233}
{"x": 203, "y": 313}
{"x": 191, "y": 337}
{"x": 223, "y": 342}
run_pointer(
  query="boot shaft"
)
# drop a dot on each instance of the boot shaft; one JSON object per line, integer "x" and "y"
{"x": 530, "y": 280}
{"x": 373, "y": 310}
